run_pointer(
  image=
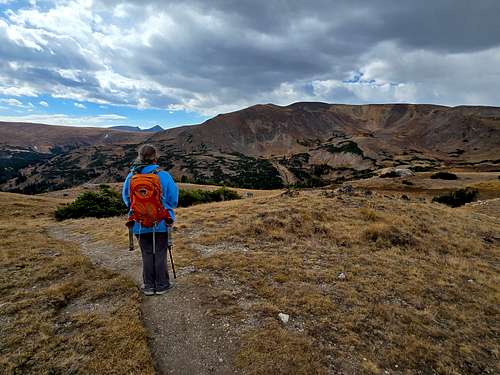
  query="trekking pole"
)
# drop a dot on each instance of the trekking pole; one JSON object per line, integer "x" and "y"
{"x": 130, "y": 237}
{"x": 169, "y": 249}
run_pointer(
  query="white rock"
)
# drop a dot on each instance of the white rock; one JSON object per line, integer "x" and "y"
{"x": 284, "y": 317}
{"x": 342, "y": 276}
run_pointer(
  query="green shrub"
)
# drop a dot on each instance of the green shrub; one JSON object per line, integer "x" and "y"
{"x": 444, "y": 176}
{"x": 196, "y": 196}
{"x": 391, "y": 174}
{"x": 457, "y": 198}
{"x": 107, "y": 202}
{"x": 104, "y": 203}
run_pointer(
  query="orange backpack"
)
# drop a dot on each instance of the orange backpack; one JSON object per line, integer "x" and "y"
{"x": 145, "y": 200}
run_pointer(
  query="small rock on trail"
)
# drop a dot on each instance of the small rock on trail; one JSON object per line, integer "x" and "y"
{"x": 284, "y": 317}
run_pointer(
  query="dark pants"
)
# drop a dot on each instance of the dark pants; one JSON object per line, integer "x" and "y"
{"x": 154, "y": 266}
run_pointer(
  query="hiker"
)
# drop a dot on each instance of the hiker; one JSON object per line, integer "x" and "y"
{"x": 149, "y": 189}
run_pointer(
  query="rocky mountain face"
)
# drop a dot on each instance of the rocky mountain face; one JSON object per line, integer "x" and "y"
{"x": 268, "y": 146}
{"x": 316, "y": 143}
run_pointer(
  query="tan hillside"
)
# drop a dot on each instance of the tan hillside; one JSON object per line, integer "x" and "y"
{"x": 266, "y": 130}
{"x": 313, "y": 142}
{"x": 262, "y": 147}
{"x": 372, "y": 283}
{"x": 42, "y": 138}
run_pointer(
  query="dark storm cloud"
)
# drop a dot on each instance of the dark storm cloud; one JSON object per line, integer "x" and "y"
{"x": 458, "y": 25}
{"x": 210, "y": 56}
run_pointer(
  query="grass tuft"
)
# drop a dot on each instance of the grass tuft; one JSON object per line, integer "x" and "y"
{"x": 388, "y": 235}
{"x": 276, "y": 350}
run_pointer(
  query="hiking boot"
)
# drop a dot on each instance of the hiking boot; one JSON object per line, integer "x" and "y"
{"x": 148, "y": 291}
{"x": 164, "y": 289}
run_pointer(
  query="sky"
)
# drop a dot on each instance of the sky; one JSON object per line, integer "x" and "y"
{"x": 170, "y": 63}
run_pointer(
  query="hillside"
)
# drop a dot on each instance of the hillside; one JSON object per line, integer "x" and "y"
{"x": 44, "y": 138}
{"x": 315, "y": 143}
{"x": 268, "y": 146}
{"x": 29, "y": 154}
{"x": 372, "y": 284}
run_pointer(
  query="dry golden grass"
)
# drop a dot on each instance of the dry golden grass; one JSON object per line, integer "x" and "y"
{"x": 421, "y": 292}
{"x": 59, "y": 313}
{"x": 487, "y": 183}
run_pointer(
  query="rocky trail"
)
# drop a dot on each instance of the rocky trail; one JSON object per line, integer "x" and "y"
{"x": 183, "y": 338}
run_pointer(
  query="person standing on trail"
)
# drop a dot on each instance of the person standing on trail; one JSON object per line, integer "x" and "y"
{"x": 151, "y": 195}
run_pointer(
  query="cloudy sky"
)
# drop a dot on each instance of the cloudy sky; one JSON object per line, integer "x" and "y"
{"x": 141, "y": 62}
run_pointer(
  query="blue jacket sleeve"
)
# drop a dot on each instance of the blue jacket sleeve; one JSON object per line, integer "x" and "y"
{"x": 126, "y": 190}
{"x": 170, "y": 192}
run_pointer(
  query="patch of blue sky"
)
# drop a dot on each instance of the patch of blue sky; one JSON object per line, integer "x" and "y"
{"x": 358, "y": 78}
{"x": 108, "y": 114}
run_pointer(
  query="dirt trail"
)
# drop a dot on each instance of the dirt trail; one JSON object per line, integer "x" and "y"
{"x": 183, "y": 338}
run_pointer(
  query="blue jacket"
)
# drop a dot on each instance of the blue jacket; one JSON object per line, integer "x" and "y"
{"x": 169, "y": 197}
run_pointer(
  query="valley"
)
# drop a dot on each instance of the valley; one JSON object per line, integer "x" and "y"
{"x": 337, "y": 230}
{"x": 262, "y": 147}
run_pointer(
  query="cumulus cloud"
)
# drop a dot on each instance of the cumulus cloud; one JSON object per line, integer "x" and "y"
{"x": 64, "y": 119}
{"x": 217, "y": 56}
{"x": 44, "y": 104}
{"x": 79, "y": 105}
{"x": 12, "y": 102}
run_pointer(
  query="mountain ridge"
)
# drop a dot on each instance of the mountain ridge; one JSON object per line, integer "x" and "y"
{"x": 268, "y": 146}
{"x": 153, "y": 129}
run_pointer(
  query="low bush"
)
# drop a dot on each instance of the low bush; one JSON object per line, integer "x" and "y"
{"x": 196, "y": 196}
{"x": 391, "y": 174}
{"x": 457, "y": 198}
{"x": 103, "y": 203}
{"x": 444, "y": 176}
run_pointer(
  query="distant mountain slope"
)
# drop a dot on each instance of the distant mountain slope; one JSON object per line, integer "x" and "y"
{"x": 42, "y": 138}
{"x": 314, "y": 143}
{"x": 265, "y": 130}
{"x": 154, "y": 129}
{"x": 268, "y": 146}
{"x": 30, "y": 154}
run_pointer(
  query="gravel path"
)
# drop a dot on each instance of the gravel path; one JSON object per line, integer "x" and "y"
{"x": 183, "y": 338}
